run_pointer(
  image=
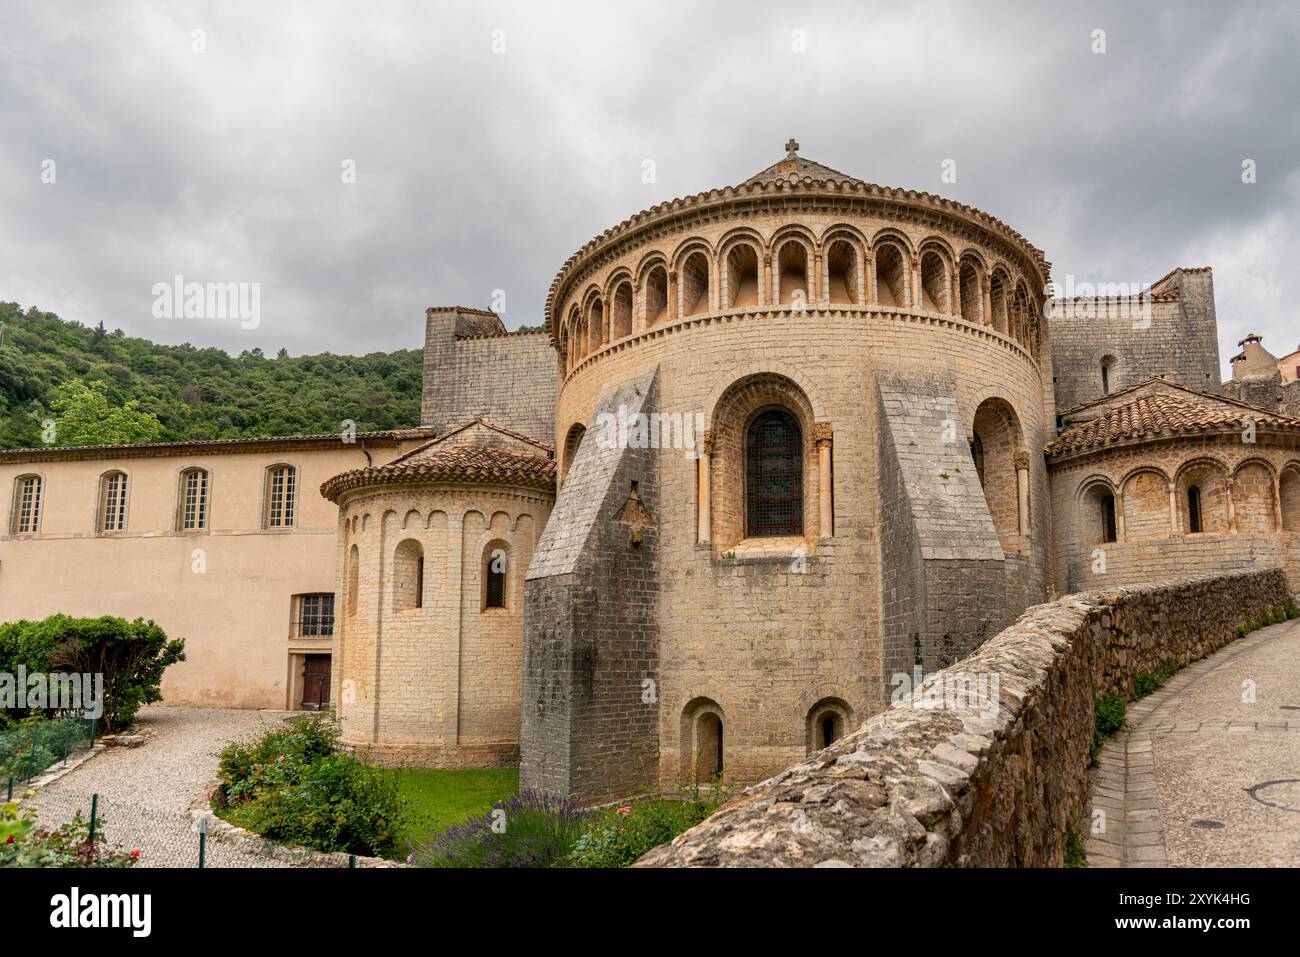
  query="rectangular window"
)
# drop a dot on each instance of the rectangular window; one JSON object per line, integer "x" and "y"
{"x": 113, "y": 516}
{"x": 194, "y": 502}
{"x": 27, "y": 505}
{"x": 315, "y": 616}
{"x": 280, "y": 498}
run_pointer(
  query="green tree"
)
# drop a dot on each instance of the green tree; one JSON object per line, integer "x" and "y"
{"x": 86, "y": 417}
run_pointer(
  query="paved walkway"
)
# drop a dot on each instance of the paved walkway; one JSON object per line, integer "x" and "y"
{"x": 145, "y": 793}
{"x": 1208, "y": 772}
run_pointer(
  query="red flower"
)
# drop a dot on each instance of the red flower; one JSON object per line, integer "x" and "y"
{"x": 626, "y": 810}
{"x": 135, "y": 852}
{"x": 9, "y": 839}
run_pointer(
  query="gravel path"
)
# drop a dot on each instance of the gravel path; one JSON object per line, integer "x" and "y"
{"x": 145, "y": 793}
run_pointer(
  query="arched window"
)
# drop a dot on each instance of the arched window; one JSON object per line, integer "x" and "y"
{"x": 792, "y": 274}
{"x": 1194, "y": 523}
{"x": 620, "y": 315}
{"x": 656, "y": 296}
{"x": 842, "y": 272}
{"x": 193, "y": 511}
{"x": 1106, "y": 365}
{"x": 971, "y": 296}
{"x": 496, "y": 564}
{"x": 998, "y": 302}
{"x": 408, "y": 575}
{"x": 934, "y": 282}
{"x": 695, "y": 285}
{"x": 742, "y": 276}
{"x": 595, "y": 325}
{"x": 1289, "y": 497}
{"x": 571, "y": 443}
{"x": 26, "y": 517}
{"x": 281, "y": 496}
{"x": 1109, "y": 531}
{"x": 773, "y": 475}
{"x": 997, "y": 430}
{"x": 112, "y": 502}
{"x": 891, "y": 277}
{"x": 354, "y": 579}
{"x": 827, "y": 722}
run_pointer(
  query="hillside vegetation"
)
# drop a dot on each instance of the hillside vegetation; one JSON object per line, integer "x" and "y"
{"x": 194, "y": 393}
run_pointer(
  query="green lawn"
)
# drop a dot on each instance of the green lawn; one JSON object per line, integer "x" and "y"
{"x": 439, "y": 798}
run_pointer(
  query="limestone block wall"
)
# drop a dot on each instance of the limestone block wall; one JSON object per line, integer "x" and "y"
{"x": 591, "y": 650}
{"x": 473, "y": 368}
{"x": 433, "y": 681}
{"x": 1155, "y": 543}
{"x": 992, "y": 780}
{"x": 1178, "y": 339}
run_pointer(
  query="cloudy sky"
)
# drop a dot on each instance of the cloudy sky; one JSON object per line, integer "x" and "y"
{"x": 490, "y": 140}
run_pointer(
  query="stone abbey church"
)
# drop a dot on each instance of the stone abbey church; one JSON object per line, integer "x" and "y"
{"x": 776, "y": 444}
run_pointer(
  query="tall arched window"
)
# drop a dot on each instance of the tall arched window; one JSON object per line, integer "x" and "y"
{"x": 354, "y": 579}
{"x": 1109, "y": 530}
{"x": 495, "y": 567}
{"x": 773, "y": 475}
{"x": 26, "y": 517}
{"x": 193, "y": 510}
{"x": 656, "y": 296}
{"x": 408, "y": 575}
{"x": 281, "y": 496}
{"x": 1107, "y": 364}
{"x": 112, "y": 502}
{"x": 1194, "y": 523}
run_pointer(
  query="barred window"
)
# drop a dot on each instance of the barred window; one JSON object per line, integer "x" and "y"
{"x": 316, "y": 615}
{"x": 194, "y": 500}
{"x": 281, "y": 482}
{"x": 774, "y": 475}
{"x": 27, "y": 505}
{"x": 112, "y": 502}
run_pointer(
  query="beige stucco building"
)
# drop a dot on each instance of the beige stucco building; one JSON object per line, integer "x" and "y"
{"x": 777, "y": 445}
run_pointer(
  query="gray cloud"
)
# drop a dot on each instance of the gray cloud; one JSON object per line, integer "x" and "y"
{"x": 479, "y": 171}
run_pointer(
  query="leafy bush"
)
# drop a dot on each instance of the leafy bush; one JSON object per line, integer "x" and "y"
{"x": 530, "y": 830}
{"x": 37, "y": 743}
{"x": 1145, "y": 682}
{"x": 1290, "y": 609}
{"x": 23, "y": 844}
{"x": 632, "y": 830}
{"x": 1075, "y": 850}
{"x": 290, "y": 786}
{"x": 131, "y": 656}
{"x": 1109, "y": 715}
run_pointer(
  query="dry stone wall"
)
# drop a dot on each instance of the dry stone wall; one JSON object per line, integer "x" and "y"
{"x": 992, "y": 780}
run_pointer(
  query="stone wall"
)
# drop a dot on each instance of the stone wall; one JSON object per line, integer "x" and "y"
{"x": 591, "y": 640}
{"x": 1179, "y": 340}
{"x": 473, "y": 368}
{"x": 991, "y": 781}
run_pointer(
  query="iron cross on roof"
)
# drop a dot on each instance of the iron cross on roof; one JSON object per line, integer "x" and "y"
{"x": 791, "y": 148}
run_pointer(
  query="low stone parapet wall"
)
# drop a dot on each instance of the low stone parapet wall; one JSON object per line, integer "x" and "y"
{"x": 985, "y": 763}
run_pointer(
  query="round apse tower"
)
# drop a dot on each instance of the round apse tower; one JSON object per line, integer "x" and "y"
{"x": 872, "y": 376}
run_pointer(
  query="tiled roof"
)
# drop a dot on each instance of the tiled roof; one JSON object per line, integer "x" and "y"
{"x": 789, "y": 176}
{"x": 209, "y": 446}
{"x": 1164, "y": 413}
{"x": 467, "y": 464}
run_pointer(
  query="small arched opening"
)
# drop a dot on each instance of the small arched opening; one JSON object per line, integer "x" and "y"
{"x": 742, "y": 276}
{"x": 792, "y": 274}
{"x": 842, "y": 272}
{"x": 695, "y": 284}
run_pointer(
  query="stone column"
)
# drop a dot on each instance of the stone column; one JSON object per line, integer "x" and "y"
{"x": 914, "y": 298}
{"x": 1277, "y": 502}
{"x": 705, "y": 490}
{"x": 606, "y": 311}
{"x": 822, "y": 436}
{"x": 820, "y": 291}
{"x": 672, "y": 295}
{"x": 1022, "y": 488}
{"x": 954, "y": 293}
{"x": 765, "y": 293}
{"x": 986, "y": 301}
{"x": 1119, "y": 517}
{"x": 873, "y": 294}
{"x": 1232, "y": 508}
{"x": 1173, "y": 510}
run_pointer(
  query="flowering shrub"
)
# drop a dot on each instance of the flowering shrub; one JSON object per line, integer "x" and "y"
{"x": 290, "y": 786}
{"x": 530, "y": 830}
{"x": 24, "y": 844}
{"x": 619, "y": 839}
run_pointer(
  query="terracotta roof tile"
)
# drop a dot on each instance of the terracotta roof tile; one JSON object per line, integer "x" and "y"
{"x": 470, "y": 464}
{"x": 1163, "y": 413}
